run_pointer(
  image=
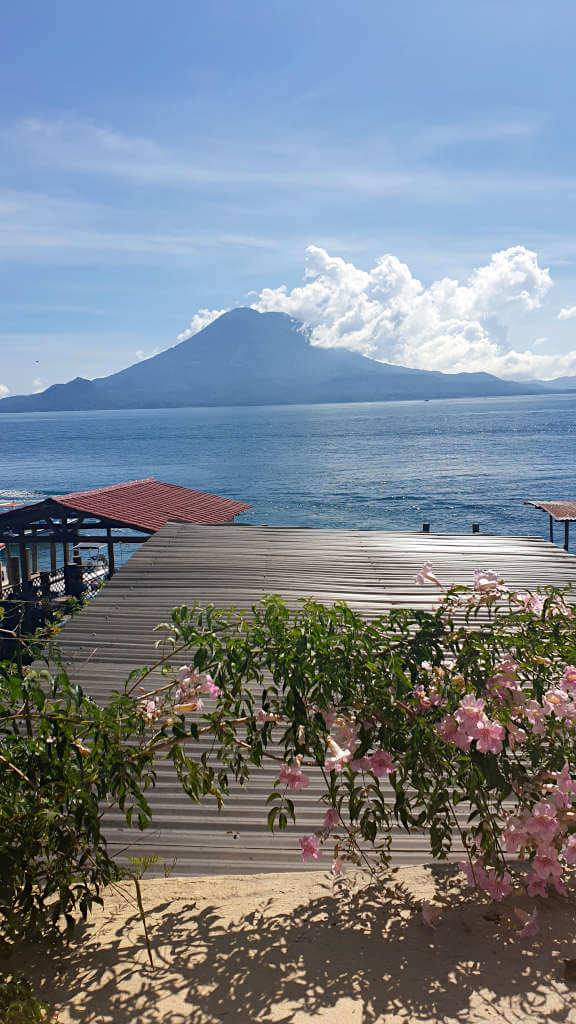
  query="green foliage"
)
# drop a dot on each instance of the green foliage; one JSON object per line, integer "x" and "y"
{"x": 18, "y": 1005}
{"x": 317, "y": 688}
{"x": 63, "y": 759}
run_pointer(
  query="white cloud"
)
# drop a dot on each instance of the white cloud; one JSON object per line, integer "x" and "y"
{"x": 85, "y": 147}
{"x": 567, "y": 313}
{"x": 199, "y": 321}
{"x": 388, "y": 314}
{"x": 4, "y": 391}
{"x": 38, "y": 385}
{"x": 141, "y": 354}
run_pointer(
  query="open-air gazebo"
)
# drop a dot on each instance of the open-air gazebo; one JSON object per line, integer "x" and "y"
{"x": 125, "y": 513}
{"x": 558, "y": 512}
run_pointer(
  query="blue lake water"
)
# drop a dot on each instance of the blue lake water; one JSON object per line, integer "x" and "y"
{"x": 385, "y": 466}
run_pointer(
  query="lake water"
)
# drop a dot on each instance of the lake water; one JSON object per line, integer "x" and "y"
{"x": 378, "y": 466}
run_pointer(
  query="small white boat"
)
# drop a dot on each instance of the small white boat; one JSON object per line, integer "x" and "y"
{"x": 92, "y": 555}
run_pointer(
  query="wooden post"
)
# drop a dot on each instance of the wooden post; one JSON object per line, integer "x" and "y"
{"x": 425, "y": 527}
{"x": 45, "y": 587}
{"x": 566, "y": 533}
{"x": 551, "y": 530}
{"x": 24, "y": 556}
{"x": 74, "y": 579}
{"x": 111, "y": 567}
{"x": 475, "y": 527}
{"x": 53, "y": 558}
{"x": 64, "y": 544}
{"x": 34, "y": 553}
{"x": 14, "y": 571}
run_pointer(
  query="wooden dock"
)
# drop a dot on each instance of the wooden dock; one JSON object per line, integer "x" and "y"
{"x": 234, "y": 567}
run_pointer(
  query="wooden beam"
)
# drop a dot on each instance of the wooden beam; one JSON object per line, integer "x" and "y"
{"x": 71, "y": 538}
{"x": 566, "y": 533}
{"x": 53, "y": 557}
{"x": 551, "y": 529}
{"x": 110, "y": 539}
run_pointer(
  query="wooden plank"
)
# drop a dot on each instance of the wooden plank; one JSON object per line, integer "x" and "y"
{"x": 234, "y": 567}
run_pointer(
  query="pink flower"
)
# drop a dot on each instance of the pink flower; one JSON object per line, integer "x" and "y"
{"x": 188, "y": 675}
{"x": 515, "y": 835}
{"x": 331, "y": 818}
{"x": 531, "y": 602}
{"x": 490, "y": 736}
{"x": 529, "y": 922}
{"x": 449, "y": 730}
{"x": 381, "y": 763}
{"x": 339, "y": 757}
{"x": 338, "y": 866}
{"x": 426, "y": 576}
{"x": 544, "y": 823}
{"x": 536, "y": 716}
{"x": 565, "y": 784}
{"x": 425, "y": 699}
{"x": 568, "y": 681}
{"x": 536, "y": 887}
{"x": 360, "y": 764}
{"x": 293, "y": 778}
{"x": 485, "y": 580}
{"x": 310, "y": 848}
{"x": 498, "y": 887}
{"x": 469, "y": 713}
{"x": 209, "y": 687}
{"x": 554, "y": 703}
{"x": 505, "y": 685}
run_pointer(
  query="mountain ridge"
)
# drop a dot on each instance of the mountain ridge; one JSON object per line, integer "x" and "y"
{"x": 249, "y": 358}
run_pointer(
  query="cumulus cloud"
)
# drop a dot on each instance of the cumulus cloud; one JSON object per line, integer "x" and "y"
{"x": 567, "y": 313}
{"x": 388, "y": 314}
{"x": 4, "y": 391}
{"x": 199, "y": 321}
{"x": 38, "y": 385}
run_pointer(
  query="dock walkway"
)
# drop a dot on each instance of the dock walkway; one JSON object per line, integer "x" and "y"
{"x": 234, "y": 567}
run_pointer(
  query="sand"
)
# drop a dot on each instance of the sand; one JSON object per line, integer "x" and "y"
{"x": 294, "y": 948}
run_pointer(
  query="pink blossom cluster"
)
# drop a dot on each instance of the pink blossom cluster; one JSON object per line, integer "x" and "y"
{"x": 150, "y": 709}
{"x": 545, "y": 832}
{"x": 487, "y": 581}
{"x": 530, "y": 602}
{"x": 427, "y": 698}
{"x": 486, "y": 878}
{"x": 469, "y": 723}
{"x": 293, "y": 777}
{"x": 186, "y": 697}
{"x": 191, "y": 684}
{"x": 426, "y": 576}
{"x": 504, "y": 683}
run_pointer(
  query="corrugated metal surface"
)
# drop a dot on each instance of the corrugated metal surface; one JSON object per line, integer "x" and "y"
{"x": 559, "y": 510}
{"x": 236, "y": 566}
{"x": 149, "y": 504}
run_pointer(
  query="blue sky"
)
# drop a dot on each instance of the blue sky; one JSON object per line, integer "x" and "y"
{"x": 158, "y": 159}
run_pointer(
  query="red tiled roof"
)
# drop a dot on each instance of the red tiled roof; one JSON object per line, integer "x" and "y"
{"x": 559, "y": 510}
{"x": 149, "y": 504}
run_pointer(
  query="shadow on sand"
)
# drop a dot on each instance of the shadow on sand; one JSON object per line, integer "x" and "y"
{"x": 353, "y": 955}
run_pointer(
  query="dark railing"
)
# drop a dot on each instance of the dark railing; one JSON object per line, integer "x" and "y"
{"x": 29, "y": 604}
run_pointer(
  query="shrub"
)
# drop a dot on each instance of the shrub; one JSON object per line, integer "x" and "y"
{"x": 410, "y": 719}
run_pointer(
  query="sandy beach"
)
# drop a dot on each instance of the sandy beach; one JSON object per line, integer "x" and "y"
{"x": 293, "y": 948}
